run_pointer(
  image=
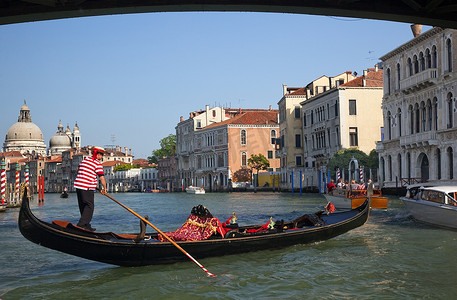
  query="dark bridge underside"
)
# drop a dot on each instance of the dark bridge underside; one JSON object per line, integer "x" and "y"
{"x": 441, "y": 13}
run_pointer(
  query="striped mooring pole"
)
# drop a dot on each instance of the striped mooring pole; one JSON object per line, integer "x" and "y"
{"x": 3, "y": 181}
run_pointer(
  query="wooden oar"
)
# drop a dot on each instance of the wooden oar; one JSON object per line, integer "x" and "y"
{"x": 163, "y": 234}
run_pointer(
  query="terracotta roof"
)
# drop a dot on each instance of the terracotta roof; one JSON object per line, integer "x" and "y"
{"x": 57, "y": 159}
{"x": 11, "y": 154}
{"x": 299, "y": 92}
{"x": 266, "y": 117}
{"x": 372, "y": 79}
{"x": 113, "y": 163}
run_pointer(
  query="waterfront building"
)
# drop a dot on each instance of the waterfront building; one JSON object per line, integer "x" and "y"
{"x": 221, "y": 150}
{"x": 24, "y": 135}
{"x": 64, "y": 140}
{"x": 116, "y": 154}
{"x": 53, "y": 174}
{"x": 148, "y": 178}
{"x": 346, "y": 115}
{"x": 185, "y": 131}
{"x": 419, "y": 111}
{"x": 167, "y": 170}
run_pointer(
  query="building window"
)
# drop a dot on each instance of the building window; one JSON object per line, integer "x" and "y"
{"x": 449, "y": 54}
{"x": 353, "y": 139}
{"x": 398, "y": 77}
{"x": 451, "y": 162}
{"x": 199, "y": 124}
{"x": 270, "y": 154}
{"x": 430, "y": 114}
{"x": 273, "y": 137}
{"x": 243, "y": 137}
{"x": 298, "y": 161}
{"x": 416, "y": 64}
{"x": 422, "y": 61}
{"x": 304, "y": 119}
{"x": 298, "y": 141}
{"x": 297, "y": 112}
{"x": 438, "y": 163}
{"x": 389, "y": 125}
{"x": 388, "y": 82}
{"x": 352, "y": 107}
{"x": 244, "y": 159}
{"x": 410, "y": 67}
{"x": 450, "y": 110}
{"x": 399, "y": 122}
{"x": 434, "y": 57}
{"x": 428, "y": 58}
{"x": 435, "y": 110}
{"x": 336, "y": 108}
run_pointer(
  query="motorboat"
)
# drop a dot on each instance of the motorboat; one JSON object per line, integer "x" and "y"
{"x": 434, "y": 205}
{"x": 195, "y": 190}
{"x": 349, "y": 199}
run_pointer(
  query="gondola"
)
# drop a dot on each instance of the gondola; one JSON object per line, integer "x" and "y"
{"x": 147, "y": 249}
{"x": 64, "y": 194}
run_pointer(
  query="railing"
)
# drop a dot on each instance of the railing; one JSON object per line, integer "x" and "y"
{"x": 407, "y": 181}
{"x": 422, "y": 138}
{"x": 429, "y": 75}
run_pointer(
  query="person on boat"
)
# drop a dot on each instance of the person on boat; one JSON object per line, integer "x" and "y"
{"x": 330, "y": 187}
{"x": 86, "y": 183}
{"x": 353, "y": 185}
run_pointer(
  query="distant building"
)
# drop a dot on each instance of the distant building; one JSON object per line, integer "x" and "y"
{"x": 348, "y": 115}
{"x": 419, "y": 111}
{"x": 24, "y": 136}
{"x": 64, "y": 140}
{"x": 221, "y": 150}
{"x": 167, "y": 170}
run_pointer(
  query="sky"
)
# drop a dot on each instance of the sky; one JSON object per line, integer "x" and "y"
{"x": 127, "y": 79}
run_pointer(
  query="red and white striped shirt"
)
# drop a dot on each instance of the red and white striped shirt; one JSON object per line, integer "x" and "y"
{"x": 86, "y": 179}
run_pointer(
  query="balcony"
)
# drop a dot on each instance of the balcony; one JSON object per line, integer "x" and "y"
{"x": 323, "y": 152}
{"x": 419, "y": 81}
{"x": 419, "y": 140}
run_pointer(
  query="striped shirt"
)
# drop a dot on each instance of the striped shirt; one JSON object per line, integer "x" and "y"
{"x": 86, "y": 179}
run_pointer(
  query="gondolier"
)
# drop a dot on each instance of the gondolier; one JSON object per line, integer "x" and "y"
{"x": 86, "y": 183}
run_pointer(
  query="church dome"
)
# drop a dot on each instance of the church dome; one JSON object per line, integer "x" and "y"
{"x": 60, "y": 140}
{"x": 24, "y": 131}
{"x": 24, "y": 135}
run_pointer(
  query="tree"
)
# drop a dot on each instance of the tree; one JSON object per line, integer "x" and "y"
{"x": 167, "y": 148}
{"x": 124, "y": 167}
{"x": 258, "y": 162}
{"x": 342, "y": 158}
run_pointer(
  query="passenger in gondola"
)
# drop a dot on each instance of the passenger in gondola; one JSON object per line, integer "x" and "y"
{"x": 330, "y": 187}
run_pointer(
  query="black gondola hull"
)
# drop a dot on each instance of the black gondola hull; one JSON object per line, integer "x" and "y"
{"x": 123, "y": 252}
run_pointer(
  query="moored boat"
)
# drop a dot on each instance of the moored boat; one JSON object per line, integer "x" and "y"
{"x": 195, "y": 190}
{"x": 3, "y": 207}
{"x": 147, "y": 249}
{"x": 350, "y": 199}
{"x": 434, "y": 205}
{"x": 64, "y": 194}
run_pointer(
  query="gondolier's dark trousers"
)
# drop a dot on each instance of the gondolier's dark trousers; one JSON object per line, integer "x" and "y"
{"x": 86, "y": 206}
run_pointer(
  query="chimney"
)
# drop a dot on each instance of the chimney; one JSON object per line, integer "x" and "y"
{"x": 182, "y": 119}
{"x": 365, "y": 72}
{"x": 416, "y": 29}
{"x": 270, "y": 107}
{"x": 284, "y": 89}
{"x": 125, "y": 148}
{"x": 376, "y": 68}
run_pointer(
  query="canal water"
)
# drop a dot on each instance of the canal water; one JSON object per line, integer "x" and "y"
{"x": 390, "y": 257}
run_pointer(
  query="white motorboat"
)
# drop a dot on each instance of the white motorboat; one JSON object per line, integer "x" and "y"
{"x": 435, "y": 205}
{"x": 195, "y": 190}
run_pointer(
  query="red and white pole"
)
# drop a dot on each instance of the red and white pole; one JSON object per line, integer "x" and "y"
{"x": 3, "y": 181}
{"x": 27, "y": 183}
{"x": 16, "y": 194}
{"x": 361, "y": 174}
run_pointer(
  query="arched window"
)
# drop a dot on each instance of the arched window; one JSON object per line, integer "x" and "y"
{"x": 449, "y": 54}
{"x": 435, "y": 111}
{"x": 450, "y": 110}
{"x": 411, "y": 121}
{"x": 388, "y": 82}
{"x": 399, "y": 165}
{"x": 423, "y": 116}
{"x": 422, "y": 61}
{"x": 434, "y": 57}
{"x": 243, "y": 136}
{"x": 383, "y": 168}
{"x": 408, "y": 164}
{"x": 410, "y": 67}
{"x": 416, "y": 64}
{"x": 389, "y": 125}
{"x": 428, "y": 59}
{"x": 438, "y": 163}
{"x": 398, "y": 77}
{"x": 399, "y": 121}
{"x": 389, "y": 162}
{"x": 450, "y": 155}
{"x": 430, "y": 114}
{"x": 273, "y": 136}
{"x": 417, "y": 118}
{"x": 244, "y": 159}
